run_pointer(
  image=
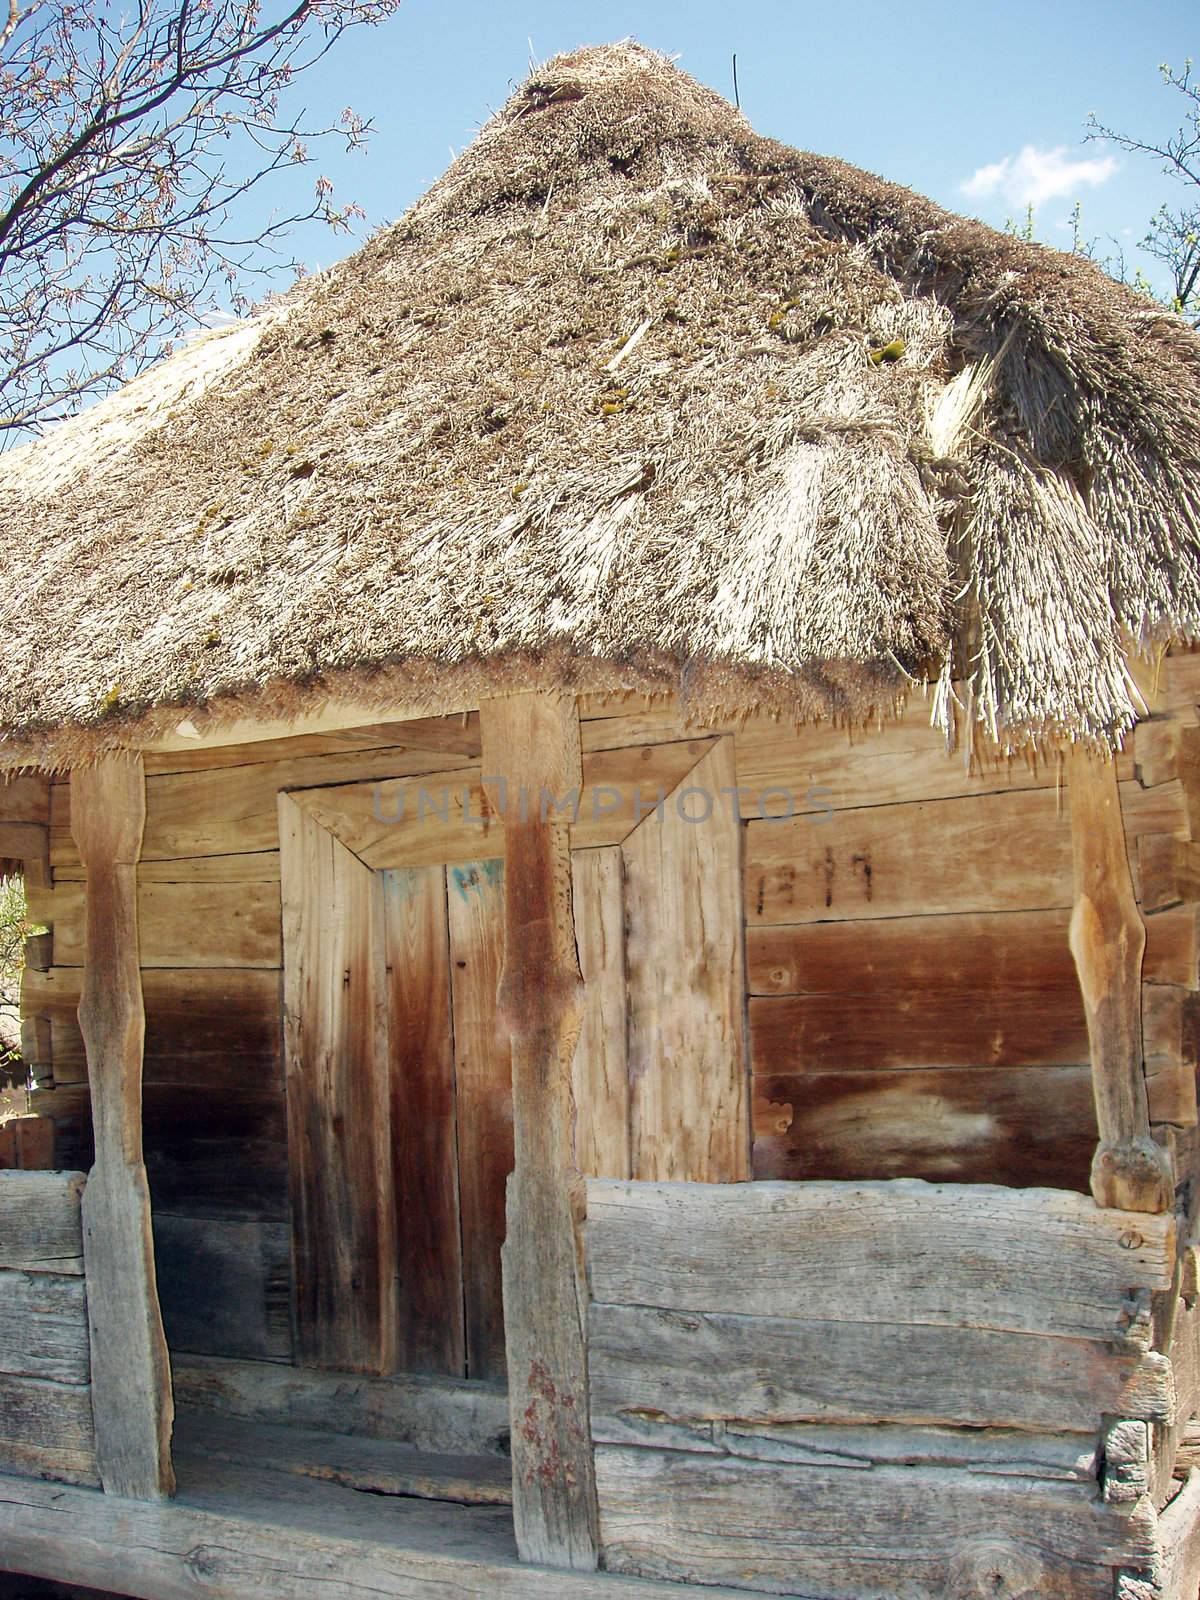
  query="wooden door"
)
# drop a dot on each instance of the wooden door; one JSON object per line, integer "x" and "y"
{"x": 399, "y": 1086}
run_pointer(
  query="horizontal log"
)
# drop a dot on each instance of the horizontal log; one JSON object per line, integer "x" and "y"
{"x": 1013, "y": 1125}
{"x": 41, "y": 1229}
{"x": 851, "y": 1535}
{"x": 46, "y": 1430}
{"x": 930, "y": 857}
{"x": 25, "y": 797}
{"x": 655, "y": 1368}
{"x": 250, "y": 866}
{"x": 43, "y": 1327}
{"x": 228, "y": 810}
{"x": 455, "y": 735}
{"x": 427, "y": 1413}
{"x": 193, "y": 924}
{"x": 218, "y": 1154}
{"x": 216, "y": 1028}
{"x": 239, "y": 1533}
{"x": 224, "y": 1286}
{"x": 1029, "y": 1260}
{"x": 1168, "y": 870}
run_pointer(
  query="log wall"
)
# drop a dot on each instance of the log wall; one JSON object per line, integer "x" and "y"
{"x": 46, "y": 1428}
{"x": 908, "y": 1008}
{"x": 785, "y": 1397}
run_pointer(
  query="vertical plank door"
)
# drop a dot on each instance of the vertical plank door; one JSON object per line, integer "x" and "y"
{"x": 339, "y": 1128}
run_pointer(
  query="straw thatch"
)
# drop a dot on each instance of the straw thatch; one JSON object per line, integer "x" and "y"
{"x": 632, "y": 396}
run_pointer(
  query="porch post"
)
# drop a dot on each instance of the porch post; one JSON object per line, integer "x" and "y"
{"x": 530, "y": 758}
{"x": 131, "y": 1377}
{"x": 1130, "y": 1170}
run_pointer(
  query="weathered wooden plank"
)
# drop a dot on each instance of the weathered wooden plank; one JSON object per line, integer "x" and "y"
{"x": 335, "y": 1028}
{"x": 248, "y": 866}
{"x": 430, "y": 1329}
{"x": 930, "y": 857}
{"x": 483, "y": 1075}
{"x": 1130, "y": 1171}
{"x": 653, "y": 1369}
{"x": 1168, "y": 871}
{"x": 217, "y": 1151}
{"x": 40, "y": 1228}
{"x": 445, "y": 817}
{"x": 27, "y": 1142}
{"x": 851, "y": 1535}
{"x": 689, "y": 1088}
{"x": 230, "y": 810}
{"x": 262, "y": 1536}
{"x": 1179, "y": 1542}
{"x": 195, "y": 924}
{"x": 131, "y": 1374}
{"x": 43, "y": 1327}
{"x": 25, "y": 797}
{"x": 424, "y": 1412}
{"x": 1029, "y": 1260}
{"x": 600, "y": 1074}
{"x": 532, "y": 741}
{"x": 1013, "y": 1125}
{"x": 225, "y": 1286}
{"x": 219, "y": 1027}
{"x": 46, "y": 1430}
{"x": 453, "y": 735}
{"x": 371, "y": 1465}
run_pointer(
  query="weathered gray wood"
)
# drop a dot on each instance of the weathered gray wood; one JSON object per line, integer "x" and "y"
{"x": 531, "y": 742}
{"x": 671, "y": 1366}
{"x": 225, "y": 1285}
{"x": 375, "y": 1466}
{"x": 852, "y": 1535}
{"x": 237, "y": 1535}
{"x": 1034, "y": 1260}
{"x": 131, "y": 1375}
{"x": 43, "y": 1327}
{"x": 40, "y": 1227}
{"x": 427, "y": 1413}
{"x": 46, "y": 1430}
{"x": 1179, "y": 1542}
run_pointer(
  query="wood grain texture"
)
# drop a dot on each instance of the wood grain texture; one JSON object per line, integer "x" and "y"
{"x": 43, "y": 1327}
{"x": 423, "y": 1412}
{"x": 656, "y": 1370}
{"x": 335, "y": 1030}
{"x": 956, "y": 1125}
{"x": 852, "y": 1535}
{"x": 1027, "y": 1260}
{"x": 1130, "y": 1171}
{"x": 47, "y": 1431}
{"x": 191, "y": 924}
{"x": 892, "y": 861}
{"x": 131, "y": 1376}
{"x": 532, "y": 741}
{"x": 424, "y": 1117}
{"x": 600, "y": 1074}
{"x": 42, "y": 1230}
{"x": 689, "y": 1086}
{"x": 483, "y": 1076}
{"x": 239, "y": 1533}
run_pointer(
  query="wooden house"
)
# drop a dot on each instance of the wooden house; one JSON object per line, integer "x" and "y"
{"x": 614, "y": 787}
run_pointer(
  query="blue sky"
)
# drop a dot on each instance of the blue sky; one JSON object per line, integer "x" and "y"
{"x": 936, "y": 95}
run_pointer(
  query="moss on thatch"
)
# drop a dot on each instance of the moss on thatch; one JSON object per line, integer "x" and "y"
{"x": 632, "y": 397}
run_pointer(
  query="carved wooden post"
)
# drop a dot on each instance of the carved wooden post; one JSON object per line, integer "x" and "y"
{"x": 1130, "y": 1170}
{"x": 131, "y": 1376}
{"x": 531, "y": 753}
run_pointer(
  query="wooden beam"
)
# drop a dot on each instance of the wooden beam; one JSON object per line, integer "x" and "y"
{"x": 131, "y": 1375}
{"x": 531, "y": 751}
{"x": 1108, "y": 940}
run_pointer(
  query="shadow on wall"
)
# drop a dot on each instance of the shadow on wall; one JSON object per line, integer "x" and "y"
{"x": 15, "y": 1587}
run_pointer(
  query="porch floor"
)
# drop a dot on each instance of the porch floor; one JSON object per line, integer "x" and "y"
{"x": 273, "y": 1513}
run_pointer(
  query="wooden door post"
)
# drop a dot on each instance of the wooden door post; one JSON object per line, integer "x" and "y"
{"x": 131, "y": 1375}
{"x": 1130, "y": 1170}
{"x": 531, "y": 760}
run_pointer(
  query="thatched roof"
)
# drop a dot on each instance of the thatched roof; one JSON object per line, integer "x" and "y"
{"x": 632, "y": 397}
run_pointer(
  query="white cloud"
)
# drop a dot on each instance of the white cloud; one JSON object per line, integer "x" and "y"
{"x": 1036, "y": 175}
